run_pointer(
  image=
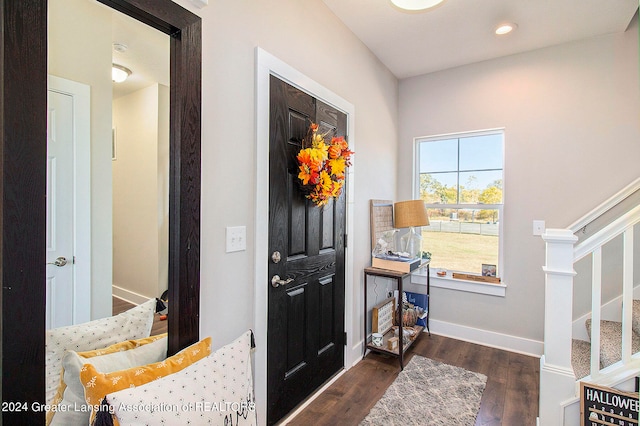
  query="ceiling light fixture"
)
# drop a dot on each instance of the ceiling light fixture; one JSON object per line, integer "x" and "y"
{"x": 415, "y": 5}
{"x": 119, "y": 73}
{"x": 505, "y": 28}
{"x": 120, "y": 47}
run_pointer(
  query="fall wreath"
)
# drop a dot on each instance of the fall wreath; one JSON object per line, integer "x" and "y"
{"x": 322, "y": 165}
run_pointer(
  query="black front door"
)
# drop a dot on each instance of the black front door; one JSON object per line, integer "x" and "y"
{"x": 306, "y": 315}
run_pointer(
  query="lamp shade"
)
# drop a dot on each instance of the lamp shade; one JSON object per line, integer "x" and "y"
{"x": 410, "y": 213}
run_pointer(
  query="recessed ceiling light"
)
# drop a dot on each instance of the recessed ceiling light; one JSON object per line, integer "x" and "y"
{"x": 414, "y": 5}
{"x": 119, "y": 73}
{"x": 505, "y": 28}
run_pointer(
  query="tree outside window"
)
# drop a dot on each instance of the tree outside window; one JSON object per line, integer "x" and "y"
{"x": 461, "y": 181}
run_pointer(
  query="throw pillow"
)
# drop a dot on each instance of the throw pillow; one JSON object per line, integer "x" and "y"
{"x": 98, "y": 384}
{"x": 70, "y": 406}
{"x": 216, "y": 390}
{"x": 133, "y": 324}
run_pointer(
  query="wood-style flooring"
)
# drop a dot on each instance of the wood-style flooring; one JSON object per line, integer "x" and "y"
{"x": 159, "y": 326}
{"x": 510, "y": 397}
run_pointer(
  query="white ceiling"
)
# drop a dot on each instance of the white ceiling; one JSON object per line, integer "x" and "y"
{"x": 459, "y": 32}
{"x": 147, "y": 54}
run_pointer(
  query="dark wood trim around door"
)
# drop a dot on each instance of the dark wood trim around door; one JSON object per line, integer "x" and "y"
{"x": 23, "y": 123}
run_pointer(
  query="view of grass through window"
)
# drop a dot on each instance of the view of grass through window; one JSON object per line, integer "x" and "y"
{"x": 460, "y": 252}
{"x": 460, "y": 180}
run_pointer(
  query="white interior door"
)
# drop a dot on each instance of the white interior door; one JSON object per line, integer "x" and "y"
{"x": 68, "y": 277}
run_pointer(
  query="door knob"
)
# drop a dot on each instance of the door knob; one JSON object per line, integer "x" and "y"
{"x": 276, "y": 281}
{"x": 59, "y": 262}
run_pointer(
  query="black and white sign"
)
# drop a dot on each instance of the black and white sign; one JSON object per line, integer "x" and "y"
{"x": 600, "y": 405}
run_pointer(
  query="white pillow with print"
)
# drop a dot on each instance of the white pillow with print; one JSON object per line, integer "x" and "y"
{"x": 129, "y": 325}
{"x": 217, "y": 390}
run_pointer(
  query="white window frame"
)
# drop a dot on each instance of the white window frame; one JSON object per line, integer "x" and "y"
{"x": 449, "y": 282}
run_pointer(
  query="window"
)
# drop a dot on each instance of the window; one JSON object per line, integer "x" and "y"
{"x": 460, "y": 178}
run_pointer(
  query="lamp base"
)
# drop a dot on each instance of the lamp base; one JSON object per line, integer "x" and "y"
{"x": 411, "y": 243}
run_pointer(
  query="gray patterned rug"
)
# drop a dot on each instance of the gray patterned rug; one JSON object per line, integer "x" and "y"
{"x": 429, "y": 393}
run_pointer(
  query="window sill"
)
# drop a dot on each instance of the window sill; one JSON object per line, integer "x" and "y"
{"x": 450, "y": 283}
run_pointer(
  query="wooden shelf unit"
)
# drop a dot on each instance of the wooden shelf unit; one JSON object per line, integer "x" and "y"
{"x": 402, "y": 348}
{"x": 385, "y": 338}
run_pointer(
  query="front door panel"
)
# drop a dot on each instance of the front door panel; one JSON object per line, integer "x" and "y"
{"x": 306, "y": 315}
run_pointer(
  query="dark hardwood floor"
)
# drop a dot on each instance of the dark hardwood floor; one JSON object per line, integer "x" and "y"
{"x": 159, "y": 326}
{"x": 510, "y": 397}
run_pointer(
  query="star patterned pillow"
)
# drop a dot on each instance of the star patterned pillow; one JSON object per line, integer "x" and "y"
{"x": 129, "y": 325}
{"x": 215, "y": 390}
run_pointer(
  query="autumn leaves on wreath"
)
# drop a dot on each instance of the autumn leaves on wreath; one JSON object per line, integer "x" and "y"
{"x": 322, "y": 166}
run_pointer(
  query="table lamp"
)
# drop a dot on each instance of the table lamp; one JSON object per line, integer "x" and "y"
{"x": 409, "y": 214}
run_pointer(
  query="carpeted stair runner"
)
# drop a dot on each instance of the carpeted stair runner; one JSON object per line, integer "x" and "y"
{"x": 580, "y": 358}
{"x": 610, "y": 344}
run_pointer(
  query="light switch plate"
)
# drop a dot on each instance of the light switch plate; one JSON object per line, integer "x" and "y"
{"x": 236, "y": 238}
{"x": 538, "y": 227}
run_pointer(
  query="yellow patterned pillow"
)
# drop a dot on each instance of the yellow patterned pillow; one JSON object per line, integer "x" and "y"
{"x": 127, "y": 345}
{"x": 97, "y": 385}
{"x": 122, "y": 346}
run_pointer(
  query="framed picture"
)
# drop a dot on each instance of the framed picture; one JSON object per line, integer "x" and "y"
{"x": 488, "y": 270}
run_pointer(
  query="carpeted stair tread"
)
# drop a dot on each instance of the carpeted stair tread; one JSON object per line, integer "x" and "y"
{"x": 611, "y": 341}
{"x": 581, "y": 358}
{"x": 635, "y": 323}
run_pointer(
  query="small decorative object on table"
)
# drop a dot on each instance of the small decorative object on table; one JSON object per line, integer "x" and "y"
{"x": 385, "y": 244}
{"x": 392, "y": 343}
{"x": 376, "y": 339}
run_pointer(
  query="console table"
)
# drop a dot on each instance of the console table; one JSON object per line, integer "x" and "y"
{"x": 399, "y": 277}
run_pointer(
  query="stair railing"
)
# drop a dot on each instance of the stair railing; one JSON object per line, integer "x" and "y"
{"x": 592, "y": 246}
{"x": 557, "y": 379}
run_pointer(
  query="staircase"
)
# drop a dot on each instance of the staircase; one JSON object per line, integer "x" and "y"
{"x": 610, "y": 344}
{"x": 611, "y": 357}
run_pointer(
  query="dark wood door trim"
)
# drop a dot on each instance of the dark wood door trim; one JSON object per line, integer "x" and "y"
{"x": 23, "y": 108}
{"x": 185, "y": 30}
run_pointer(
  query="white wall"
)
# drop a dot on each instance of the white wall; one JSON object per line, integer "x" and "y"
{"x": 307, "y": 36}
{"x": 80, "y": 50}
{"x": 570, "y": 114}
{"x": 141, "y": 194}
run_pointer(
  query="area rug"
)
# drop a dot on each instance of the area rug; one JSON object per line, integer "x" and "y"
{"x": 429, "y": 392}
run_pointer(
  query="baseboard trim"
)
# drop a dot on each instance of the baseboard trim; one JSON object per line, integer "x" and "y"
{"x": 129, "y": 296}
{"x": 488, "y": 338}
{"x": 356, "y": 352}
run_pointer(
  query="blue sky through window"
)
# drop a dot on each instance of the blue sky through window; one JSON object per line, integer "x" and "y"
{"x": 478, "y": 158}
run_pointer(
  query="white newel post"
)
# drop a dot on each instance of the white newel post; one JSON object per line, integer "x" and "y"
{"x": 557, "y": 380}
